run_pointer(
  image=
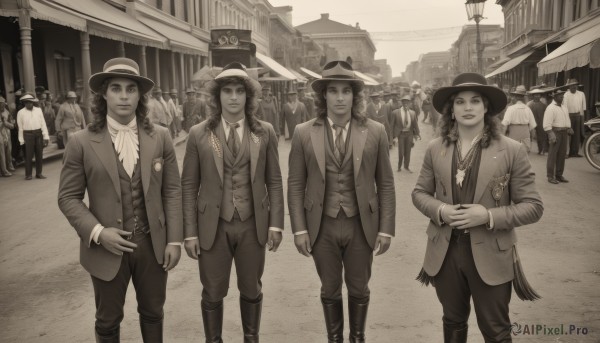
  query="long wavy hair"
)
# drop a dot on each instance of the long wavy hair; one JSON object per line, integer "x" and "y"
{"x": 358, "y": 104}
{"x": 215, "y": 109}
{"x": 448, "y": 126}
{"x": 100, "y": 111}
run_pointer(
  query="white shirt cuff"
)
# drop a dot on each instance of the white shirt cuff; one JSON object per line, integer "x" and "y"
{"x": 491, "y": 223}
{"x": 276, "y": 229}
{"x": 95, "y": 234}
{"x": 175, "y": 243}
{"x": 190, "y": 238}
{"x": 385, "y": 234}
{"x": 300, "y": 232}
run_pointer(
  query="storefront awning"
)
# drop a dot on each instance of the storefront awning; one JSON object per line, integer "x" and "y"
{"x": 575, "y": 52}
{"x": 310, "y": 73}
{"x": 45, "y": 12}
{"x": 274, "y": 66}
{"x": 180, "y": 41}
{"x": 510, "y": 64}
{"x": 368, "y": 81}
{"x": 299, "y": 76}
{"x": 104, "y": 20}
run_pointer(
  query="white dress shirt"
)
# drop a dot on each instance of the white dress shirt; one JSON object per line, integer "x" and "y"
{"x": 556, "y": 116}
{"x": 519, "y": 114}
{"x": 575, "y": 102}
{"x": 404, "y": 113}
{"x": 31, "y": 120}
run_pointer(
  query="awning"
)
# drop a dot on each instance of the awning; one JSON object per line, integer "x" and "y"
{"x": 510, "y": 64}
{"x": 42, "y": 11}
{"x": 180, "y": 40}
{"x": 368, "y": 81}
{"x": 575, "y": 52}
{"x": 271, "y": 64}
{"x": 299, "y": 76}
{"x": 310, "y": 73}
{"x": 104, "y": 20}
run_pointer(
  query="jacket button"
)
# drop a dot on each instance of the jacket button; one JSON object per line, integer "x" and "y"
{"x": 119, "y": 221}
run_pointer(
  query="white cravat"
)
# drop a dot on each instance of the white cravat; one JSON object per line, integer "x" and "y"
{"x": 125, "y": 140}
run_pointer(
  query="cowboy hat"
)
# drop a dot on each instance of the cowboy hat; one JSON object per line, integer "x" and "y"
{"x": 120, "y": 67}
{"x": 520, "y": 90}
{"x": 471, "y": 82}
{"x": 337, "y": 71}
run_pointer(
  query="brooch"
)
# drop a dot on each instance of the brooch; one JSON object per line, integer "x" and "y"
{"x": 254, "y": 138}
{"x": 216, "y": 144}
{"x": 157, "y": 164}
{"x": 497, "y": 186}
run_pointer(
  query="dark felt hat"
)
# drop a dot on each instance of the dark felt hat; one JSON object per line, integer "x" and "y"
{"x": 471, "y": 82}
{"x": 337, "y": 71}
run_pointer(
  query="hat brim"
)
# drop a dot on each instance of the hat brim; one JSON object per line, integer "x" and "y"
{"x": 495, "y": 95}
{"x": 318, "y": 84}
{"x": 213, "y": 83}
{"x": 97, "y": 79}
{"x": 518, "y": 93}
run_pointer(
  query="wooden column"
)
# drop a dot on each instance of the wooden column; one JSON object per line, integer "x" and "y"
{"x": 26, "y": 52}
{"x": 86, "y": 71}
{"x": 156, "y": 67}
{"x": 143, "y": 65}
{"x": 121, "y": 49}
{"x": 173, "y": 71}
{"x": 182, "y": 79}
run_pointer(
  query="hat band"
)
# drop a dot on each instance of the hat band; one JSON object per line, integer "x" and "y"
{"x": 470, "y": 84}
{"x": 340, "y": 77}
{"x": 122, "y": 68}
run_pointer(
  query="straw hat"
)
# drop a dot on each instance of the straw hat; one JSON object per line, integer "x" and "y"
{"x": 120, "y": 67}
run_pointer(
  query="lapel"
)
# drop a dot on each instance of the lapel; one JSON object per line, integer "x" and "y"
{"x": 317, "y": 137}
{"x": 147, "y": 147}
{"x": 487, "y": 167}
{"x": 103, "y": 147}
{"x": 358, "y": 139}
{"x": 445, "y": 161}
{"x": 220, "y": 136}
{"x": 254, "y": 152}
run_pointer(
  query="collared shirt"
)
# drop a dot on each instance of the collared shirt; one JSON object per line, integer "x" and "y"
{"x": 31, "y": 120}
{"x": 240, "y": 129}
{"x": 556, "y": 116}
{"x": 519, "y": 114}
{"x": 404, "y": 113}
{"x": 575, "y": 102}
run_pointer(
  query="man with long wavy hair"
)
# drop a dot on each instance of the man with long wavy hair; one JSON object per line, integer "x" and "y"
{"x": 232, "y": 199}
{"x": 341, "y": 196}
{"x": 132, "y": 228}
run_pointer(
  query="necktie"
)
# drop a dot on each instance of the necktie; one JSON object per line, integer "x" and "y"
{"x": 233, "y": 141}
{"x": 340, "y": 147}
{"x": 405, "y": 118}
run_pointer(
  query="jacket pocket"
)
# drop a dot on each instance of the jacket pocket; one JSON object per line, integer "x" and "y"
{"x": 201, "y": 206}
{"x": 308, "y": 204}
{"x": 505, "y": 242}
{"x": 432, "y": 232}
{"x": 374, "y": 204}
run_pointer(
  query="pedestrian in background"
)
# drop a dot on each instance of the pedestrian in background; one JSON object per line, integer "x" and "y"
{"x": 232, "y": 199}
{"x": 157, "y": 112}
{"x": 557, "y": 124}
{"x": 294, "y": 112}
{"x": 69, "y": 118}
{"x": 475, "y": 186}
{"x": 268, "y": 110}
{"x": 574, "y": 100}
{"x": 538, "y": 108}
{"x": 187, "y": 108}
{"x": 33, "y": 134}
{"x": 341, "y": 196}
{"x": 49, "y": 114}
{"x": 132, "y": 229}
{"x": 519, "y": 122}
{"x": 6, "y": 124}
{"x": 406, "y": 129}
{"x": 308, "y": 102}
{"x": 172, "y": 106}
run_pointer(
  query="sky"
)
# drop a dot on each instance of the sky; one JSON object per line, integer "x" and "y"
{"x": 438, "y": 22}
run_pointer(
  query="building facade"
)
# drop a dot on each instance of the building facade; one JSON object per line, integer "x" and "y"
{"x": 465, "y": 48}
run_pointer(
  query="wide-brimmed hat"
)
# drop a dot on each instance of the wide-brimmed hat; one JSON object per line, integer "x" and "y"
{"x": 337, "y": 71}
{"x": 471, "y": 82}
{"x": 156, "y": 90}
{"x": 189, "y": 90}
{"x": 406, "y": 97}
{"x": 28, "y": 98}
{"x": 520, "y": 90}
{"x": 40, "y": 89}
{"x": 266, "y": 87}
{"x": 415, "y": 84}
{"x": 120, "y": 67}
{"x": 539, "y": 91}
{"x": 375, "y": 95}
{"x": 571, "y": 82}
{"x": 71, "y": 94}
{"x": 235, "y": 69}
{"x": 292, "y": 92}
{"x": 173, "y": 91}
{"x": 557, "y": 91}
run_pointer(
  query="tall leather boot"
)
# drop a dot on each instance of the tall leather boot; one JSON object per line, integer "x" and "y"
{"x": 212, "y": 318}
{"x": 455, "y": 333}
{"x": 112, "y": 337}
{"x": 357, "y": 310}
{"x": 334, "y": 319}
{"x": 251, "y": 310}
{"x": 152, "y": 332}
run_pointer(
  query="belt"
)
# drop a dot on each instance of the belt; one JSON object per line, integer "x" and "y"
{"x": 559, "y": 129}
{"x": 32, "y": 131}
{"x": 460, "y": 232}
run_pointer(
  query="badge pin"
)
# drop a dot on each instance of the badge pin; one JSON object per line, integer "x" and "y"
{"x": 157, "y": 167}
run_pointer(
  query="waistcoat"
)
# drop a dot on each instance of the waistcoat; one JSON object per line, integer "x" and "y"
{"x": 237, "y": 188}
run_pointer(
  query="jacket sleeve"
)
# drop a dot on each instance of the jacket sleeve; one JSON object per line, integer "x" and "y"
{"x": 423, "y": 194}
{"x": 274, "y": 183}
{"x": 297, "y": 183}
{"x": 171, "y": 191}
{"x": 191, "y": 179}
{"x": 384, "y": 179}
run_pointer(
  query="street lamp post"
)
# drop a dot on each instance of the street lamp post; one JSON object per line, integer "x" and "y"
{"x": 475, "y": 12}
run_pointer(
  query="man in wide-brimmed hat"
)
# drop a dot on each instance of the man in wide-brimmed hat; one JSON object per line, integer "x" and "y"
{"x": 476, "y": 186}
{"x": 174, "y": 110}
{"x": 308, "y": 102}
{"x": 232, "y": 199}
{"x": 69, "y": 118}
{"x": 268, "y": 109}
{"x": 192, "y": 114}
{"x": 33, "y": 133}
{"x": 132, "y": 229}
{"x": 538, "y": 108}
{"x": 6, "y": 124}
{"x": 575, "y": 102}
{"x": 341, "y": 196}
{"x": 557, "y": 124}
{"x": 405, "y": 128}
{"x": 518, "y": 120}
{"x": 294, "y": 112}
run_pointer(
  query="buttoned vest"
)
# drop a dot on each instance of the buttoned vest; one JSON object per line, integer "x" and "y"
{"x": 340, "y": 192}
{"x": 132, "y": 199}
{"x": 237, "y": 188}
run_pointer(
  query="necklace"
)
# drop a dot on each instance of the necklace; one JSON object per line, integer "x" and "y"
{"x": 465, "y": 163}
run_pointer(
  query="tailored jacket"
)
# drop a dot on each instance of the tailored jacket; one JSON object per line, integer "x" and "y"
{"x": 373, "y": 177}
{"x": 398, "y": 124}
{"x": 90, "y": 164}
{"x": 504, "y": 170}
{"x": 202, "y": 183}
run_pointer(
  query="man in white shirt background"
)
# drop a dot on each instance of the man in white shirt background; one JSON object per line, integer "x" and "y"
{"x": 558, "y": 126}
{"x": 33, "y": 133}
{"x": 575, "y": 102}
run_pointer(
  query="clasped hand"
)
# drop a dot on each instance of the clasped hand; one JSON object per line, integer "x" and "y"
{"x": 464, "y": 216}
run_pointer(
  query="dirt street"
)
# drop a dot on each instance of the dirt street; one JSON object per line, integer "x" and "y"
{"x": 45, "y": 295}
